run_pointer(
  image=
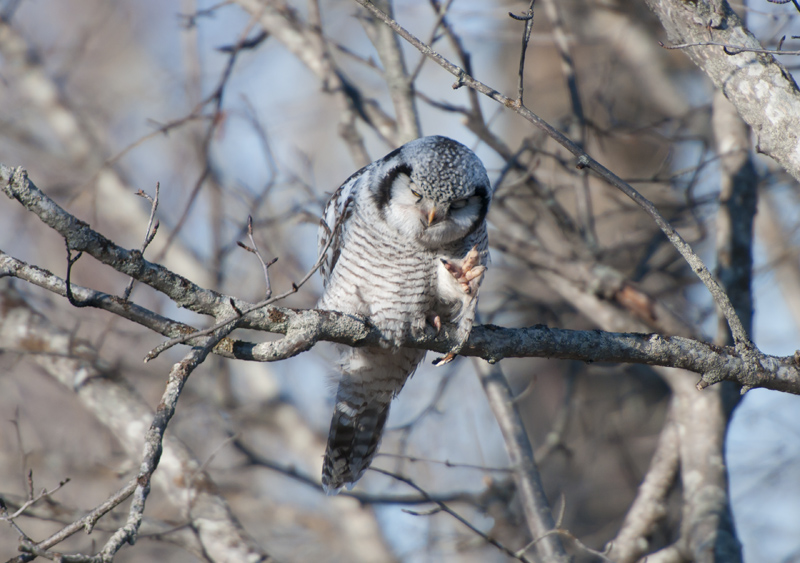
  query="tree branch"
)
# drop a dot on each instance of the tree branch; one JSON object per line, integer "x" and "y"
{"x": 526, "y": 474}
{"x": 650, "y": 504}
{"x": 761, "y": 89}
{"x": 304, "y": 328}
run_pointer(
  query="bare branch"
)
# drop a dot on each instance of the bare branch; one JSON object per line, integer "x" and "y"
{"x": 444, "y": 508}
{"x": 730, "y": 49}
{"x": 526, "y": 36}
{"x": 775, "y": 117}
{"x": 86, "y": 523}
{"x": 255, "y": 458}
{"x": 649, "y": 507}
{"x": 254, "y": 250}
{"x": 33, "y": 500}
{"x": 526, "y": 474}
{"x": 153, "y": 444}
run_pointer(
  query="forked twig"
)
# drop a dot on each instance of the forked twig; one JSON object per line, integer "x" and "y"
{"x": 150, "y": 233}
{"x": 526, "y": 36}
{"x": 254, "y": 250}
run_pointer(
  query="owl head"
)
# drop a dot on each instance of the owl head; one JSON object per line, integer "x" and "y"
{"x": 433, "y": 190}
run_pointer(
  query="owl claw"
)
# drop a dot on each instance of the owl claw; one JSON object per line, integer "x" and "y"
{"x": 468, "y": 271}
{"x": 435, "y": 321}
{"x": 438, "y": 362}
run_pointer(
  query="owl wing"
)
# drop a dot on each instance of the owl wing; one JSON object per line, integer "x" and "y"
{"x": 334, "y": 222}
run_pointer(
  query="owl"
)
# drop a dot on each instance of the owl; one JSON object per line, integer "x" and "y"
{"x": 407, "y": 249}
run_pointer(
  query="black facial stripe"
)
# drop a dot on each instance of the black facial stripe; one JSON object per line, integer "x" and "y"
{"x": 483, "y": 193}
{"x": 384, "y": 191}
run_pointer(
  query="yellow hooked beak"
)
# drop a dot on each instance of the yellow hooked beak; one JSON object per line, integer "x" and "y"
{"x": 431, "y": 216}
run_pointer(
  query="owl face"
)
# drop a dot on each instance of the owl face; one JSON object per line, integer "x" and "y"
{"x": 434, "y": 190}
{"x": 430, "y": 221}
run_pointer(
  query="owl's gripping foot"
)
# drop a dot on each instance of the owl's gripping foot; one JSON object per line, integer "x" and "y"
{"x": 469, "y": 274}
{"x": 435, "y": 321}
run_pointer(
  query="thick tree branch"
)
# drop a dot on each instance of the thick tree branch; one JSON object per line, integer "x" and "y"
{"x": 304, "y": 328}
{"x": 761, "y": 89}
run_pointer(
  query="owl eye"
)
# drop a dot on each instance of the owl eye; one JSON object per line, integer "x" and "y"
{"x": 416, "y": 195}
{"x": 459, "y": 204}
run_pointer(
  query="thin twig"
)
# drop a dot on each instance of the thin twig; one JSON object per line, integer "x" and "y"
{"x": 729, "y": 49}
{"x": 5, "y": 516}
{"x": 149, "y": 234}
{"x": 451, "y": 512}
{"x": 71, "y": 262}
{"x": 254, "y": 249}
{"x": 526, "y": 36}
{"x": 447, "y": 463}
{"x": 34, "y": 499}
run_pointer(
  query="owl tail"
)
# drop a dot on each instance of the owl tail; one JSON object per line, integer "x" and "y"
{"x": 355, "y": 432}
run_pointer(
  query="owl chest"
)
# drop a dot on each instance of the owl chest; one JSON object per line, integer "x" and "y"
{"x": 379, "y": 277}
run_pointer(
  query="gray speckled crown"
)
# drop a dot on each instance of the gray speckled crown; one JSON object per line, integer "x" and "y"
{"x": 443, "y": 169}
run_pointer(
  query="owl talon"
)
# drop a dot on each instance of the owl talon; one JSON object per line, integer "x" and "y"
{"x": 435, "y": 321}
{"x": 438, "y": 362}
